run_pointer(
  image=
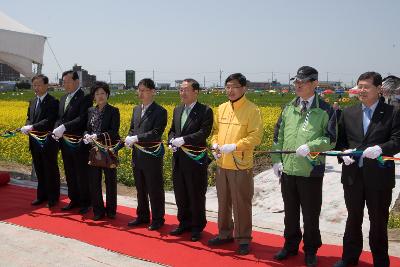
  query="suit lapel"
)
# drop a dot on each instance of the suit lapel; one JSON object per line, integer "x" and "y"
{"x": 137, "y": 112}
{"x": 147, "y": 113}
{"x": 376, "y": 117}
{"x": 191, "y": 116}
{"x": 358, "y": 120}
{"x": 106, "y": 115}
{"x": 76, "y": 96}
{"x": 179, "y": 112}
{"x": 32, "y": 110}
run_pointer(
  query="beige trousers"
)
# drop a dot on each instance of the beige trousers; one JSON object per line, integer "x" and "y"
{"x": 235, "y": 189}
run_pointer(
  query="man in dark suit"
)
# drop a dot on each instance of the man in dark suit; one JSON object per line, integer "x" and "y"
{"x": 72, "y": 118}
{"x": 42, "y": 114}
{"x": 374, "y": 127}
{"x": 191, "y": 125}
{"x": 147, "y": 127}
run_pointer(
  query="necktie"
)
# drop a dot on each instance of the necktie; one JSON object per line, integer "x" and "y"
{"x": 67, "y": 100}
{"x": 143, "y": 111}
{"x": 304, "y": 106}
{"x": 185, "y": 115}
{"x": 368, "y": 114}
{"x": 37, "y": 108}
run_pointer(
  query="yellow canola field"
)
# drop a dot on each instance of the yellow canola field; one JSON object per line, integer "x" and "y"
{"x": 15, "y": 149}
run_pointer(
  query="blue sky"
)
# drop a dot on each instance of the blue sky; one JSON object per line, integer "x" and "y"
{"x": 180, "y": 39}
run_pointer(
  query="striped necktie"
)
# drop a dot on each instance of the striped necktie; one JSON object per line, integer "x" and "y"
{"x": 185, "y": 115}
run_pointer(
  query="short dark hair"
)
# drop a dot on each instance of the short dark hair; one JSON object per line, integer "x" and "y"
{"x": 44, "y": 78}
{"x": 75, "y": 75}
{"x": 99, "y": 85}
{"x": 148, "y": 83}
{"x": 195, "y": 84}
{"x": 376, "y": 77}
{"x": 238, "y": 77}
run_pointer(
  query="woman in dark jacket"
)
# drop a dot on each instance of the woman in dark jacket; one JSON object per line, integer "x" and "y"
{"x": 103, "y": 120}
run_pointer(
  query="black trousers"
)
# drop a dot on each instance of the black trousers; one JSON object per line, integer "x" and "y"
{"x": 378, "y": 203}
{"x": 305, "y": 193}
{"x": 46, "y": 168}
{"x": 190, "y": 187}
{"x": 76, "y": 172}
{"x": 149, "y": 184}
{"x": 95, "y": 175}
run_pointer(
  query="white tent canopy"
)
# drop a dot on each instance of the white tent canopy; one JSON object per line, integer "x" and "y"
{"x": 19, "y": 45}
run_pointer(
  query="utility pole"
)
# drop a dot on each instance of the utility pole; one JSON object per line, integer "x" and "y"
{"x": 220, "y": 78}
{"x": 327, "y": 78}
{"x": 153, "y": 76}
{"x": 204, "y": 82}
{"x": 109, "y": 74}
{"x": 289, "y": 83}
{"x": 272, "y": 79}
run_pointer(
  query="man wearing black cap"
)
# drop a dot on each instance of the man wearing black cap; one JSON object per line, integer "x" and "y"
{"x": 307, "y": 124}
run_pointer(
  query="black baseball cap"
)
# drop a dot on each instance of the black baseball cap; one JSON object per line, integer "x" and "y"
{"x": 306, "y": 73}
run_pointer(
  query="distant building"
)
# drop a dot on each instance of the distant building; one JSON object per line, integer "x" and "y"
{"x": 329, "y": 85}
{"x": 116, "y": 86}
{"x": 163, "y": 86}
{"x": 178, "y": 83}
{"x": 258, "y": 85}
{"x": 86, "y": 80}
{"x": 130, "y": 79}
{"x": 7, "y": 86}
{"x": 7, "y": 73}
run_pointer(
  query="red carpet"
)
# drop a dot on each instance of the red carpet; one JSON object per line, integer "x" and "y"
{"x": 150, "y": 245}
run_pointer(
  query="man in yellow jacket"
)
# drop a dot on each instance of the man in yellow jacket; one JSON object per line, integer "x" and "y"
{"x": 237, "y": 130}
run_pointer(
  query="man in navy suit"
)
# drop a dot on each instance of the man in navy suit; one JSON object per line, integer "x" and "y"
{"x": 373, "y": 127}
{"x": 191, "y": 125}
{"x": 42, "y": 114}
{"x": 72, "y": 119}
{"x": 147, "y": 127}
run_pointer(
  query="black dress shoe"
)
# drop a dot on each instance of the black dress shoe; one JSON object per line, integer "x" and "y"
{"x": 196, "y": 236}
{"x": 243, "y": 249}
{"x": 283, "y": 254}
{"x": 345, "y": 263}
{"x": 111, "y": 215}
{"x": 37, "y": 202}
{"x": 137, "y": 222}
{"x": 51, "y": 203}
{"x": 84, "y": 210}
{"x": 216, "y": 241}
{"x": 310, "y": 260}
{"x": 71, "y": 205}
{"x": 98, "y": 217}
{"x": 155, "y": 226}
{"x": 179, "y": 230}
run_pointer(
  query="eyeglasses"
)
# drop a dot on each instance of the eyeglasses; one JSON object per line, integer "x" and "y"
{"x": 185, "y": 90}
{"x": 301, "y": 82}
{"x": 230, "y": 87}
{"x": 365, "y": 86}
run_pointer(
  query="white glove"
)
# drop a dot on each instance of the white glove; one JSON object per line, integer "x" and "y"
{"x": 93, "y": 137}
{"x": 177, "y": 142}
{"x": 173, "y": 148}
{"x": 227, "y": 148}
{"x": 86, "y": 139}
{"x": 26, "y": 129}
{"x": 130, "y": 140}
{"x": 347, "y": 159}
{"x": 58, "y": 132}
{"x": 215, "y": 151}
{"x": 372, "y": 152}
{"x": 303, "y": 151}
{"x": 278, "y": 168}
